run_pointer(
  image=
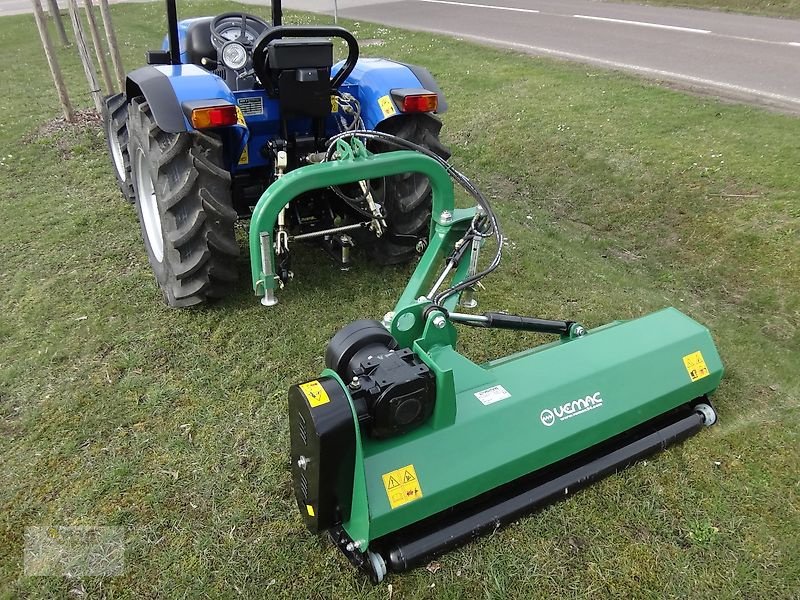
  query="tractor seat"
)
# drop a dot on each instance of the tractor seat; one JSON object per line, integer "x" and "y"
{"x": 198, "y": 41}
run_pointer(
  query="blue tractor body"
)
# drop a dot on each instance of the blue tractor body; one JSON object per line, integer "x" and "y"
{"x": 256, "y": 100}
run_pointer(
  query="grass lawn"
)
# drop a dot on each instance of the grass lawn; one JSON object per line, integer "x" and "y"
{"x": 618, "y": 198}
{"x": 767, "y": 8}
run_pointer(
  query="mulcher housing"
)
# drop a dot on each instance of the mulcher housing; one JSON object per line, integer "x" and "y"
{"x": 495, "y": 440}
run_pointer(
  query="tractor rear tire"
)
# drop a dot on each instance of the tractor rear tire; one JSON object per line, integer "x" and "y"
{"x": 115, "y": 123}
{"x": 183, "y": 198}
{"x": 406, "y": 198}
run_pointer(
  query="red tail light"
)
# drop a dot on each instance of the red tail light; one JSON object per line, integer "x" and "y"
{"x": 213, "y": 116}
{"x": 418, "y": 103}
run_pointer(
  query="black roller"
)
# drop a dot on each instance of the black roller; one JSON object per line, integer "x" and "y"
{"x": 416, "y": 544}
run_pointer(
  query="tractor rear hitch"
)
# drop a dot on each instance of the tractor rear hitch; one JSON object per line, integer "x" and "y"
{"x": 352, "y": 164}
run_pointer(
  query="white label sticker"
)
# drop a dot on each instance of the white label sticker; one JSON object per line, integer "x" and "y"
{"x": 251, "y": 105}
{"x": 492, "y": 395}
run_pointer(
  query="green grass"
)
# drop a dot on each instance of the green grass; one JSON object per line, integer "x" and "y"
{"x": 767, "y": 8}
{"x": 618, "y": 198}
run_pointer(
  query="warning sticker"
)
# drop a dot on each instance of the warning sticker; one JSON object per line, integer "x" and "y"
{"x": 314, "y": 393}
{"x": 334, "y": 104}
{"x": 244, "y": 158}
{"x": 240, "y": 117}
{"x": 387, "y": 106}
{"x": 310, "y": 510}
{"x": 402, "y": 486}
{"x": 492, "y": 395}
{"x": 695, "y": 365}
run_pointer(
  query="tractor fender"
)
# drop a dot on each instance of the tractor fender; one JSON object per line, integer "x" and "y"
{"x": 167, "y": 87}
{"x": 375, "y": 78}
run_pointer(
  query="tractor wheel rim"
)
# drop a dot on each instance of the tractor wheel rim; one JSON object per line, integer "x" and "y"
{"x": 116, "y": 151}
{"x": 146, "y": 197}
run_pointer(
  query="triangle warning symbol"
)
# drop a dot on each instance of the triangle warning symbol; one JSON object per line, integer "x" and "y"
{"x": 407, "y": 476}
{"x": 392, "y": 483}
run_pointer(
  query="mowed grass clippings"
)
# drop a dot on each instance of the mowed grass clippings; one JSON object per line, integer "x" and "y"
{"x": 617, "y": 198}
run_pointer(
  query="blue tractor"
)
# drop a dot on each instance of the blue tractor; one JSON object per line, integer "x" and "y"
{"x": 230, "y": 104}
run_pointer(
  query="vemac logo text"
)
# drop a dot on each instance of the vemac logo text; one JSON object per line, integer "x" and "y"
{"x": 571, "y": 409}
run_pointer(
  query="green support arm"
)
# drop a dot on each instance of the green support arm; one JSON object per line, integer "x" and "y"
{"x": 354, "y": 163}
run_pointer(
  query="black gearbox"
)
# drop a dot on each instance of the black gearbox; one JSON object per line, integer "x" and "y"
{"x": 392, "y": 389}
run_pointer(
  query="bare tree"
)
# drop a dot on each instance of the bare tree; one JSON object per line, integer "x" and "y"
{"x": 55, "y": 71}
{"x": 98, "y": 47}
{"x": 88, "y": 67}
{"x": 113, "y": 47}
{"x": 55, "y": 12}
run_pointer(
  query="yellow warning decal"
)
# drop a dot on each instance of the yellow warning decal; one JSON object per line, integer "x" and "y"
{"x": 334, "y": 104}
{"x": 695, "y": 365}
{"x": 244, "y": 158}
{"x": 402, "y": 486}
{"x": 387, "y": 106}
{"x": 314, "y": 393}
{"x": 310, "y": 510}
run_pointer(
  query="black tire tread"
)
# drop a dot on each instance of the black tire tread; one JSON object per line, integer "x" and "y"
{"x": 407, "y": 197}
{"x": 115, "y": 122}
{"x": 193, "y": 191}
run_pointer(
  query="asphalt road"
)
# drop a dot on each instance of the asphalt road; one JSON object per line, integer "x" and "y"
{"x": 747, "y": 58}
{"x": 753, "y": 59}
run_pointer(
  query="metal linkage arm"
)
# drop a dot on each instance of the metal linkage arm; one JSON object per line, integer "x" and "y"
{"x": 354, "y": 164}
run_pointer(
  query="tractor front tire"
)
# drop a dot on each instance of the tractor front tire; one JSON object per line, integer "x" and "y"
{"x": 406, "y": 198}
{"x": 183, "y": 198}
{"x": 115, "y": 123}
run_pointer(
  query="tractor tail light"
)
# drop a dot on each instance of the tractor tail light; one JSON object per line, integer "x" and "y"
{"x": 213, "y": 116}
{"x": 419, "y": 103}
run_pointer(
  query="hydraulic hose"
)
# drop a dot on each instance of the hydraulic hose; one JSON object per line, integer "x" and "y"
{"x": 459, "y": 178}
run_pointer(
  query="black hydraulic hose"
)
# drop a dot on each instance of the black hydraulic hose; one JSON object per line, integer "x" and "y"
{"x": 459, "y": 178}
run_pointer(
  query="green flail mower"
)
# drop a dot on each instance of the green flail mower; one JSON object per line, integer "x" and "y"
{"x": 404, "y": 448}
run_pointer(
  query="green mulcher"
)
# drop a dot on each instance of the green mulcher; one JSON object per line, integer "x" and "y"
{"x": 403, "y": 448}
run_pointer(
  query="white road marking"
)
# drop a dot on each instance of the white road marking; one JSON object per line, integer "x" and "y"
{"x": 522, "y": 10}
{"x": 623, "y": 66}
{"x": 643, "y": 24}
{"x": 609, "y": 20}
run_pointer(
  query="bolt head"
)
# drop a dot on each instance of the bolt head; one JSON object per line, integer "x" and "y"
{"x": 420, "y": 247}
{"x": 439, "y": 321}
{"x": 446, "y": 216}
{"x": 579, "y": 331}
